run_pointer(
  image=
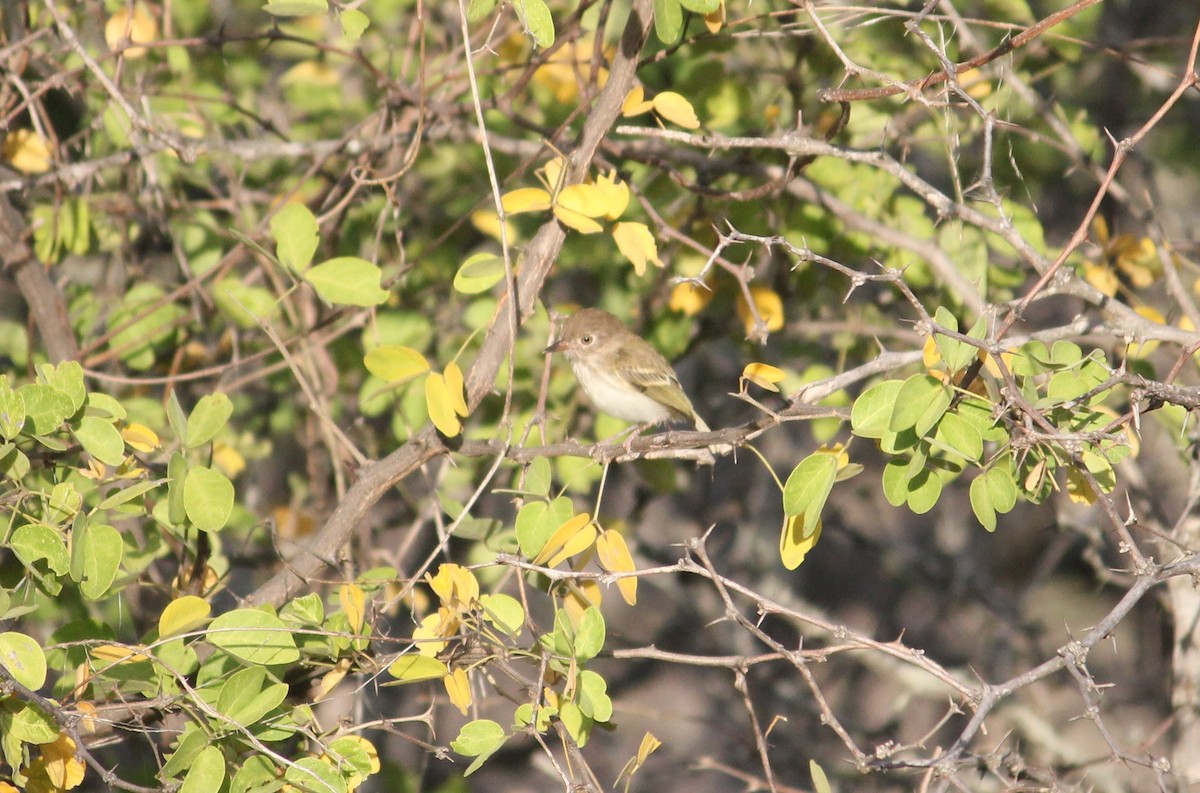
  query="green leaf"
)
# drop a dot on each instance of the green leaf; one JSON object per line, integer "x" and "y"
{"x": 101, "y": 440}
{"x": 175, "y": 415}
{"x": 1002, "y": 487}
{"x": 668, "y": 20}
{"x": 924, "y": 490}
{"x": 295, "y": 231}
{"x": 354, "y": 23}
{"x": 701, "y": 6}
{"x": 478, "y": 9}
{"x": 479, "y": 739}
{"x": 959, "y": 436}
{"x": 593, "y": 696}
{"x": 35, "y": 541}
{"x": 190, "y": 745}
{"x": 32, "y": 725}
{"x": 895, "y": 482}
{"x": 254, "y": 636}
{"x": 589, "y": 635}
{"x": 244, "y": 303}
{"x": 311, "y": 775}
{"x": 538, "y": 477}
{"x": 305, "y": 610}
{"x": 808, "y": 487}
{"x": 537, "y": 521}
{"x": 207, "y": 772}
{"x": 67, "y": 377}
{"x": 182, "y": 615}
{"x": 46, "y": 408}
{"x": 95, "y": 557}
{"x": 504, "y": 612}
{"x": 536, "y": 19}
{"x": 296, "y": 8}
{"x": 820, "y": 781}
{"x": 246, "y": 697}
{"x": 872, "y": 411}
{"x": 414, "y": 667}
{"x": 139, "y": 335}
{"x": 128, "y": 494}
{"x": 981, "y": 503}
{"x": 257, "y": 775}
{"x": 12, "y": 410}
{"x": 347, "y": 280}
{"x": 921, "y": 402}
{"x": 23, "y": 658}
{"x": 177, "y": 470}
{"x": 479, "y": 273}
{"x": 207, "y": 419}
{"x": 207, "y": 498}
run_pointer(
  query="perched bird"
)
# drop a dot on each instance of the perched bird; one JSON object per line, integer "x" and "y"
{"x": 620, "y": 372}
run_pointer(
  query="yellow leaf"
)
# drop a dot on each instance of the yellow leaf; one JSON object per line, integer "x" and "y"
{"x": 1137, "y": 259}
{"x": 487, "y": 222}
{"x": 182, "y": 615}
{"x": 63, "y": 769}
{"x": 455, "y": 586}
{"x": 395, "y": 363}
{"x": 770, "y": 309}
{"x": 574, "y": 220}
{"x": 615, "y": 557}
{"x": 562, "y": 535}
{"x": 930, "y": 354}
{"x": 87, "y": 717}
{"x": 1142, "y": 349}
{"x": 27, "y": 151}
{"x": 1078, "y": 489}
{"x": 354, "y": 603}
{"x": 142, "y": 28}
{"x": 764, "y": 375}
{"x": 636, "y": 242}
{"x": 459, "y": 689}
{"x": 588, "y": 200}
{"x": 991, "y": 367}
{"x": 111, "y": 654}
{"x": 615, "y": 192}
{"x": 140, "y": 438}
{"x": 525, "y": 199}
{"x": 635, "y": 102}
{"x": 430, "y": 635}
{"x": 675, "y": 108}
{"x": 228, "y": 459}
{"x": 689, "y": 299}
{"x": 793, "y": 545}
{"x": 441, "y": 405}
{"x": 975, "y": 83}
{"x": 582, "y": 596}
{"x": 1102, "y": 277}
{"x": 454, "y": 382}
{"x": 715, "y": 20}
{"x": 95, "y": 470}
{"x": 330, "y": 679}
{"x": 552, "y": 173}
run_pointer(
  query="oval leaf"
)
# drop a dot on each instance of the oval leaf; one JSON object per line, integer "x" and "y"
{"x": 347, "y": 280}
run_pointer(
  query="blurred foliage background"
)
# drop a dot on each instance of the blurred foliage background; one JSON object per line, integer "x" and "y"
{"x": 249, "y": 249}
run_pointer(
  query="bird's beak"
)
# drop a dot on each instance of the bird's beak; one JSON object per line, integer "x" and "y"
{"x": 557, "y": 346}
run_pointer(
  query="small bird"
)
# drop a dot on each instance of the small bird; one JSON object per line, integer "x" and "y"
{"x": 621, "y": 373}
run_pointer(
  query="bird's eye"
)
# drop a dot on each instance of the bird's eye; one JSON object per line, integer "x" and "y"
{"x": 586, "y": 340}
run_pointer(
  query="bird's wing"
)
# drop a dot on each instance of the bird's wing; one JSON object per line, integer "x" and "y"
{"x": 659, "y": 386}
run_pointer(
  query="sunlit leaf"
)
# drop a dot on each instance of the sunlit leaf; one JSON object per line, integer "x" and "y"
{"x": 675, "y": 108}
